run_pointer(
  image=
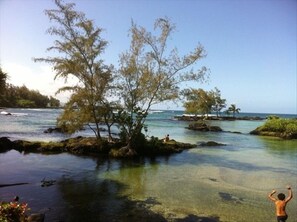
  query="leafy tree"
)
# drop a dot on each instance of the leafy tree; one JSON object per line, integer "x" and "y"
{"x": 150, "y": 74}
{"x": 233, "y": 109}
{"x": 219, "y": 103}
{"x": 198, "y": 101}
{"x": 53, "y": 102}
{"x": 3, "y": 78}
{"x": 79, "y": 46}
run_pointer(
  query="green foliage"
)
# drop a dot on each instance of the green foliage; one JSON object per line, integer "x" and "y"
{"x": 233, "y": 109}
{"x": 150, "y": 73}
{"x": 79, "y": 46}
{"x": 203, "y": 102}
{"x": 280, "y": 125}
{"x": 273, "y": 117}
{"x": 13, "y": 212}
{"x": 53, "y": 102}
{"x": 15, "y": 96}
{"x": 3, "y": 78}
{"x": 24, "y": 103}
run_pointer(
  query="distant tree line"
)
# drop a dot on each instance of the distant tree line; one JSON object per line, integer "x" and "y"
{"x": 22, "y": 97}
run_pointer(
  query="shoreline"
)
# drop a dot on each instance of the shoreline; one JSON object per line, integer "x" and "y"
{"x": 89, "y": 146}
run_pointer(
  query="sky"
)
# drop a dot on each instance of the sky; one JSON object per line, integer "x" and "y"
{"x": 250, "y": 44}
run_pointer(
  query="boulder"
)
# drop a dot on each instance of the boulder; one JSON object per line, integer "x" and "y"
{"x": 36, "y": 218}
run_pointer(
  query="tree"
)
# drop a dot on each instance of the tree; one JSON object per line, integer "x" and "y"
{"x": 3, "y": 78}
{"x": 219, "y": 103}
{"x": 233, "y": 109}
{"x": 198, "y": 101}
{"x": 150, "y": 74}
{"x": 79, "y": 46}
{"x": 53, "y": 102}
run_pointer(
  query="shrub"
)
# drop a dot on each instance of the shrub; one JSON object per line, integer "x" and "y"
{"x": 280, "y": 125}
{"x": 13, "y": 212}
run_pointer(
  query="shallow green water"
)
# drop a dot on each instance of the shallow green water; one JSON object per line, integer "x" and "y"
{"x": 228, "y": 182}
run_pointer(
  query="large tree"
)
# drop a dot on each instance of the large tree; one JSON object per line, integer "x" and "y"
{"x": 79, "y": 48}
{"x": 151, "y": 73}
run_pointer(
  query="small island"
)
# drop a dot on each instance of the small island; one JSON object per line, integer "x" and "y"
{"x": 90, "y": 146}
{"x": 278, "y": 127}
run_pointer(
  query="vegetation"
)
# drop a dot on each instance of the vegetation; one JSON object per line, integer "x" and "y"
{"x": 150, "y": 74}
{"x": 79, "y": 46}
{"x": 13, "y": 212}
{"x": 279, "y": 127}
{"x": 22, "y": 97}
{"x": 202, "y": 102}
{"x": 233, "y": 109}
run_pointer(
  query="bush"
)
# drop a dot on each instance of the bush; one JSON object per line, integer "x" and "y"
{"x": 280, "y": 125}
{"x": 13, "y": 212}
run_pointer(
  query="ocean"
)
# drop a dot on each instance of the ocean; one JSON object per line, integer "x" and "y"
{"x": 228, "y": 182}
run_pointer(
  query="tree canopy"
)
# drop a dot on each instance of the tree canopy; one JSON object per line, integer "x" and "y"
{"x": 79, "y": 46}
{"x": 199, "y": 101}
{"x": 150, "y": 73}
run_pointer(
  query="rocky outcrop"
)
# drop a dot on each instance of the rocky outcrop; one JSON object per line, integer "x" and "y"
{"x": 201, "y": 126}
{"x": 211, "y": 143}
{"x": 89, "y": 146}
{"x": 220, "y": 118}
{"x": 258, "y": 131}
{"x": 53, "y": 130}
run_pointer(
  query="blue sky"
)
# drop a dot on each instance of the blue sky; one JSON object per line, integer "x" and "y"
{"x": 250, "y": 44}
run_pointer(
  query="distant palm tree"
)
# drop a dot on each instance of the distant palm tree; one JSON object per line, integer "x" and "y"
{"x": 232, "y": 109}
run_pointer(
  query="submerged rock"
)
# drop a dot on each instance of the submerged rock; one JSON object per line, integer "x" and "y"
{"x": 230, "y": 198}
{"x": 53, "y": 130}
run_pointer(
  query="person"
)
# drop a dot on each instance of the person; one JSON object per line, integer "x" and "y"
{"x": 166, "y": 139}
{"x": 281, "y": 203}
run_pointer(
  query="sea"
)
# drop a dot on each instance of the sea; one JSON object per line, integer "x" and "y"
{"x": 220, "y": 183}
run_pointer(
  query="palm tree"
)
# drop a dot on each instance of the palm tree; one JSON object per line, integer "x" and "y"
{"x": 233, "y": 109}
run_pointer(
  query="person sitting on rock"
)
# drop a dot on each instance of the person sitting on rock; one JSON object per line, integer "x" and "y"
{"x": 166, "y": 139}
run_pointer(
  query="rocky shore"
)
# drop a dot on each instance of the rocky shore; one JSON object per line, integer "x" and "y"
{"x": 220, "y": 118}
{"x": 89, "y": 146}
{"x": 282, "y": 135}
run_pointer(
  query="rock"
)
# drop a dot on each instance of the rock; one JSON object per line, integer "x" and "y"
{"x": 55, "y": 130}
{"x": 36, "y": 218}
{"x": 6, "y": 144}
{"x": 47, "y": 183}
{"x": 211, "y": 143}
{"x": 230, "y": 198}
{"x": 5, "y": 113}
{"x": 201, "y": 126}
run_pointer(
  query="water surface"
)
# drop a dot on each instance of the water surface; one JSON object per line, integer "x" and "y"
{"x": 227, "y": 182}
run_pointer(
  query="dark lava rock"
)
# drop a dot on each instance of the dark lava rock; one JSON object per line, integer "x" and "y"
{"x": 201, "y": 126}
{"x": 211, "y": 143}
